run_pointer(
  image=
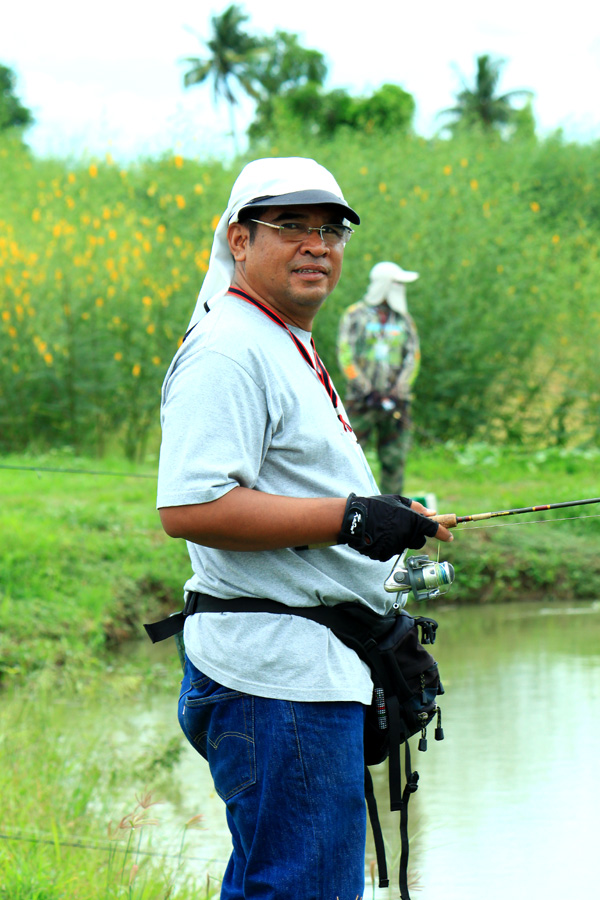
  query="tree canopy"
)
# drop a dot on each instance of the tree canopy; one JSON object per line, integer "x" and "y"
{"x": 480, "y": 105}
{"x": 12, "y": 112}
{"x": 287, "y": 82}
{"x": 231, "y": 53}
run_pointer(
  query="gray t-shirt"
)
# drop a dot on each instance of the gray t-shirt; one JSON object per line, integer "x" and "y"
{"x": 241, "y": 406}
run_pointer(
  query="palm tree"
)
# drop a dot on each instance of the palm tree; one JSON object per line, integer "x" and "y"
{"x": 479, "y": 104}
{"x": 231, "y": 52}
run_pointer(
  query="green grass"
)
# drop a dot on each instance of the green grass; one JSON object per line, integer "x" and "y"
{"x": 85, "y": 561}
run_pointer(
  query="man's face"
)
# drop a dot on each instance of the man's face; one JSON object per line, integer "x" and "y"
{"x": 294, "y": 279}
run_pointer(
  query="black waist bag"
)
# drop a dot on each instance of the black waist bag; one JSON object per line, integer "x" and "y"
{"x": 406, "y": 680}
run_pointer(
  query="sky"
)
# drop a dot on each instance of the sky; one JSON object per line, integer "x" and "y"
{"x": 108, "y": 77}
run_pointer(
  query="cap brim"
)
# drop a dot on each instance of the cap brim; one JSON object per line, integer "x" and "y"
{"x": 306, "y": 198}
{"x": 406, "y": 277}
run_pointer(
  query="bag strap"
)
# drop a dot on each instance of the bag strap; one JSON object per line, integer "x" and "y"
{"x": 376, "y": 828}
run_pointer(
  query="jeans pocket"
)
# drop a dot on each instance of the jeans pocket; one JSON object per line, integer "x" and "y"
{"x": 219, "y": 724}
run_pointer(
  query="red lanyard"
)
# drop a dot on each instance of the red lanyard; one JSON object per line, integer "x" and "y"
{"x": 317, "y": 366}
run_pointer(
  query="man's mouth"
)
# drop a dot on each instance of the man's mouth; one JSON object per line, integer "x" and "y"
{"x": 311, "y": 270}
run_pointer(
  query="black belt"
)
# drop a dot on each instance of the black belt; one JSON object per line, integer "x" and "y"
{"x": 343, "y": 619}
{"x": 197, "y": 602}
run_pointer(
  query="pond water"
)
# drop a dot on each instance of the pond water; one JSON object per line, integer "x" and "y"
{"x": 507, "y": 804}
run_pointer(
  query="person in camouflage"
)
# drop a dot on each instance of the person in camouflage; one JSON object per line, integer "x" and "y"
{"x": 378, "y": 352}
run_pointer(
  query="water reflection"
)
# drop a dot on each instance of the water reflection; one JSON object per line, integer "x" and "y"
{"x": 507, "y": 805}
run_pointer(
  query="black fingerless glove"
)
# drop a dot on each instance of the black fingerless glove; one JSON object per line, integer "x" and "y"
{"x": 384, "y": 526}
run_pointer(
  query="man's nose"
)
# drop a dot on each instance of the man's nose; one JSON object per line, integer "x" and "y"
{"x": 313, "y": 241}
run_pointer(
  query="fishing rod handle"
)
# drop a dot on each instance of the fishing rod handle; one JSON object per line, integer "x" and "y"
{"x": 449, "y": 520}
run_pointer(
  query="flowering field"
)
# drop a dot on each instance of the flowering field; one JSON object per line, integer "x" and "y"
{"x": 100, "y": 267}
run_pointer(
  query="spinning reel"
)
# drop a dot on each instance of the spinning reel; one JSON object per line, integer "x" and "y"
{"x": 419, "y": 574}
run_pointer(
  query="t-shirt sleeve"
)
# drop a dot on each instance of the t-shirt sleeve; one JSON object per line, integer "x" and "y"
{"x": 215, "y": 430}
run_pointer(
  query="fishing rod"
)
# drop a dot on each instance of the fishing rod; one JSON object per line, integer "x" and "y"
{"x": 427, "y": 579}
{"x": 450, "y": 520}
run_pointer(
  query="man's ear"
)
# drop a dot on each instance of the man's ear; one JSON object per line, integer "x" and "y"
{"x": 238, "y": 237}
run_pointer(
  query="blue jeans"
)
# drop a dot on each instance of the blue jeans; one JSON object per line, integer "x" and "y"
{"x": 292, "y": 778}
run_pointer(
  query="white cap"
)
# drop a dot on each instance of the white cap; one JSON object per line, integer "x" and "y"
{"x": 386, "y": 282}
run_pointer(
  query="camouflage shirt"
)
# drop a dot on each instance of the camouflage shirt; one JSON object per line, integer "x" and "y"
{"x": 376, "y": 355}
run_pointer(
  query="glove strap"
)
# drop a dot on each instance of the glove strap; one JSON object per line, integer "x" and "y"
{"x": 354, "y": 523}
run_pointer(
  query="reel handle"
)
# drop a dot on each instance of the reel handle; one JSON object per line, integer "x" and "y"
{"x": 449, "y": 520}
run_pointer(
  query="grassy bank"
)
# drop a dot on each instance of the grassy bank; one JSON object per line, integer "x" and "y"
{"x": 84, "y": 560}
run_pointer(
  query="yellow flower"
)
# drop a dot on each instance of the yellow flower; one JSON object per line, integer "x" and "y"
{"x": 198, "y": 189}
{"x": 555, "y": 238}
{"x": 147, "y": 301}
{"x": 447, "y": 170}
{"x": 382, "y": 187}
{"x": 71, "y": 178}
{"x": 151, "y": 328}
{"x": 178, "y": 160}
{"x": 474, "y": 184}
{"x": 215, "y": 222}
{"x": 535, "y": 206}
{"x": 118, "y": 356}
{"x": 156, "y": 360}
{"x": 93, "y": 170}
{"x": 36, "y": 215}
{"x": 5, "y": 315}
{"x": 363, "y": 170}
{"x": 112, "y": 234}
{"x": 464, "y": 163}
{"x": 136, "y": 370}
{"x": 99, "y": 301}
{"x": 12, "y": 331}
{"x": 48, "y": 359}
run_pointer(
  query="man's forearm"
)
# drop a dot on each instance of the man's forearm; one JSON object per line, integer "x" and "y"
{"x": 245, "y": 519}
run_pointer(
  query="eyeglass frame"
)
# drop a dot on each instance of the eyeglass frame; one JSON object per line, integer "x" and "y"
{"x": 347, "y": 231}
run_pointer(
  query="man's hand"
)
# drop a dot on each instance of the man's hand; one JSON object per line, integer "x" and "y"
{"x": 384, "y": 526}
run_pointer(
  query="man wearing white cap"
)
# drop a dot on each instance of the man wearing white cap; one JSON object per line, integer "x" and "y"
{"x": 378, "y": 351}
{"x": 258, "y": 465}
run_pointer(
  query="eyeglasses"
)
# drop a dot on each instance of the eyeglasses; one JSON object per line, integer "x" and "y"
{"x": 295, "y": 232}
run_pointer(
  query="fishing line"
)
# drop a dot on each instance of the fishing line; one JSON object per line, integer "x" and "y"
{"x": 106, "y": 848}
{"x": 467, "y": 527}
{"x": 76, "y": 471}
